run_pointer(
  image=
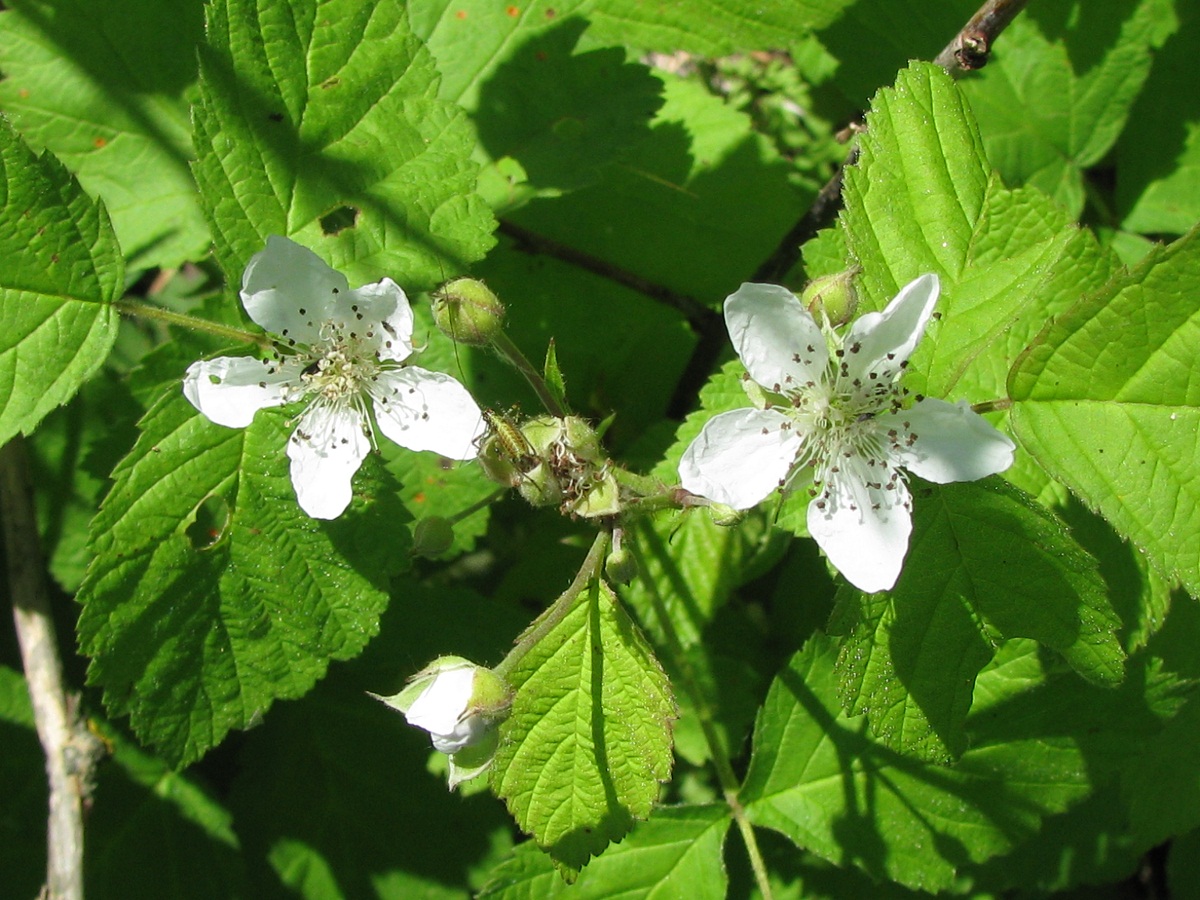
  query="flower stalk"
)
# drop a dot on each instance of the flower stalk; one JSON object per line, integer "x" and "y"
{"x": 138, "y": 309}
{"x": 588, "y": 572}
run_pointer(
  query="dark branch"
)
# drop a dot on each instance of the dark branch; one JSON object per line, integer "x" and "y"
{"x": 700, "y": 317}
{"x": 972, "y": 46}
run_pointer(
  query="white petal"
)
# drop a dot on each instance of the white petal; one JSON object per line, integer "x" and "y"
{"x": 381, "y": 308}
{"x": 775, "y": 337}
{"x": 442, "y": 710}
{"x": 289, "y": 291}
{"x": 424, "y": 410}
{"x": 950, "y": 442}
{"x": 740, "y": 456}
{"x": 886, "y": 340}
{"x": 326, "y": 450}
{"x": 863, "y": 529}
{"x": 229, "y": 390}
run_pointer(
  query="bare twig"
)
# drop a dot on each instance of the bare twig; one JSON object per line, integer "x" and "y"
{"x": 972, "y": 46}
{"x": 70, "y": 749}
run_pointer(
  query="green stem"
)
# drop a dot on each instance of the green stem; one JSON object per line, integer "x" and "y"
{"x": 477, "y": 506}
{"x": 645, "y": 486}
{"x": 730, "y": 785}
{"x": 511, "y": 354}
{"x": 588, "y": 572}
{"x": 139, "y": 310}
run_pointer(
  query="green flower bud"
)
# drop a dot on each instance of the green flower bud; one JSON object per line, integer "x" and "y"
{"x": 453, "y": 699}
{"x": 620, "y": 566}
{"x": 832, "y": 297}
{"x": 467, "y": 311}
{"x": 497, "y": 464}
{"x": 725, "y": 515}
{"x": 540, "y": 487}
{"x": 582, "y": 440}
{"x": 432, "y": 537}
{"x": 542, "y": 433}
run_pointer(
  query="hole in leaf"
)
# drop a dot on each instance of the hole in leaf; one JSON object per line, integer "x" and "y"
{"x": 209, "y": 523}
{"x": 339, "y": 219}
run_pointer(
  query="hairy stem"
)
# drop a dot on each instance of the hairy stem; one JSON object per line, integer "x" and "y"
{"x": 512, "y": 354}
{"x": 70, "y": 749}
{"x": 139, "y": 310}
{"x": 688, "y": 681}
{"x": 588, "y": 572}
{"x": 477, "y": 506}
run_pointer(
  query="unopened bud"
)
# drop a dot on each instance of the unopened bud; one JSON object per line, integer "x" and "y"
{"x": 620, "y": 566}
{"x": 725, "y": 515}
{"x": 467, "y": 311}
{"x": 540, "y": 487}
{"x": 432, "y": 537}
{"x": 582, "y": 440}
{"x": 453, "y": 699}
{"x": 832, "y": 297}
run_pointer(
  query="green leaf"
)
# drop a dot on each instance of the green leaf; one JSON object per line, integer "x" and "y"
{"x": 985, "y": 564}
{"x": 433, "y": 486}
{"x": 470, "y": 38}
{"x": 60, "y": 271}
{"x": 1161, "y": 792}
{"x": 23, "y": 786}
{"x": 710, "y": 27}
{"x": 1059, "y": 87}
{"x": 554, "y": 376}
{"x": 689, "y": 567}
{"x": 701, "y": 201}
{"x": 1107, "y": 401}
{"x": 341, "y": 145}
{"x": 327, "y": 795}
{"x": 676, "y": 853}
{"x": 1158, "y": 154}
{"x": 924, "y": 199}
{"x": 560, "y": 115}
{"x": 145, "y": 818}
{"x": 589, "y": 737}
{"x": 1040, "y": 741}
{"x": 1183, "y": 866}
{"x": 71, "y": 455}
{"x": 102, "y": 84}
{"x": 211, "y": 595}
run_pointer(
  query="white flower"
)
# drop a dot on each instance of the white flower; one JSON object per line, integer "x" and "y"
{"x": 835, "y": 404}
{"x": 444, "y": 709}
{"x": 340, "y": 347}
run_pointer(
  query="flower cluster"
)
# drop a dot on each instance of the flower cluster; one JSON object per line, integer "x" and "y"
{"x": 339, "y": 349}
{"x": 833, "y": 404}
